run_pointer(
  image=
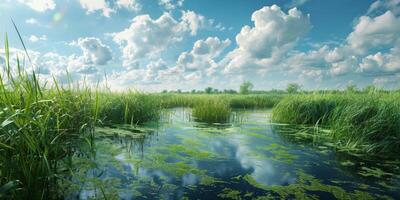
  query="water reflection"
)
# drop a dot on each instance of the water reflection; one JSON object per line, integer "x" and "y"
{"x": 181, "y": 158}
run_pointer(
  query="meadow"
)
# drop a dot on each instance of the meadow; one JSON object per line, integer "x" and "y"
{"x": 43, "y": 128}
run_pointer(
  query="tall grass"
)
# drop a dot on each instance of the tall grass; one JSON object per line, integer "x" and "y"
{"x": 233, "y": 100}
{"x": 212, "y": 111}
{"x": 363, "y": 122}
{"x": 43, "y": 128}
{"x": 128, "y": 108}
{"x": 39, "y": 130}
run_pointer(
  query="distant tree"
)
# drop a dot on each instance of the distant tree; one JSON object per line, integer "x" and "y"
{"x": 293, "y": 88}
{"x": 351, "y": 88}
{"x": 179, "y": 91}
{"x": 193, "y": 91}
{"x": 164, "y": 91}
{"x": 246, "y": 87}
{"x": 215, "y": 90}
{"x": 208, "y": 90}
{"x": 230, "y": 91}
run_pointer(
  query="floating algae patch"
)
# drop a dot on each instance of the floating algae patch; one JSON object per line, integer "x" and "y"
{"x": 305, "y": 185}
{"x": 228, "y": 193}
{"x": 373, "y": 172}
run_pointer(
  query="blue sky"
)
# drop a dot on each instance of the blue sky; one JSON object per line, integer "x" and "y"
{"x": 153, "y": 45}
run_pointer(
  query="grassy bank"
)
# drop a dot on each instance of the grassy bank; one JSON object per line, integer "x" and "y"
{"x": 363, "y": 122}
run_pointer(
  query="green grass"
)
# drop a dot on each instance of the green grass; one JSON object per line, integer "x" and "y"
{"x": 363, "y": 122}
{"x": 128, "y": 108}
{"x": 212, "y": 111}
{"x": 40, "y": 129}
{"x": 233, "y": 100}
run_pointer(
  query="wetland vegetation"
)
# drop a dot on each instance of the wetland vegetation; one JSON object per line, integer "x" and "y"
{"x": 64, "y": 141}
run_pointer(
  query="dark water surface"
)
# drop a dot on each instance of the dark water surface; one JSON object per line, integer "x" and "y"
{"x": 249, "y": 159}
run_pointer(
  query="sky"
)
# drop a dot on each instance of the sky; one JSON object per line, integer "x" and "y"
{"x": 155, "y": 45}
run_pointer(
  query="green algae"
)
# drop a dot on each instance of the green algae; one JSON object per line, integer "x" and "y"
{"x": 228, "y": 193}
{"x": 275, "y": 152}
{"x": 192, "y": 144}
{"x": 347, "y": 163}
{"x": 373, "y": 172}
{"x": 305, "y": 184}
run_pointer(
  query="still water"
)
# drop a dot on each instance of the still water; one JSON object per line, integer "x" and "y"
{"x": 178, "y": 158}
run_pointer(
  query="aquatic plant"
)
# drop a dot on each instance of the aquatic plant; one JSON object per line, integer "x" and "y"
{"x": 361, "y": 122}
{"x": 233, "y": 100}
{"x": 212, "y": 111}
{"x": 129, "y": 108}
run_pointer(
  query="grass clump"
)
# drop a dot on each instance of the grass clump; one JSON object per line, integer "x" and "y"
{"x": 233, "y": 100}
{"x": 128, "y": 108}
{"x": 212, "y": 111}
{"x": 360, "y": 122}
{"x": 306, "y": 109}
{"x": 370, "y": 124}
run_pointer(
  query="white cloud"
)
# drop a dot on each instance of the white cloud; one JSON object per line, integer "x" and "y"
{"x": 31, "y": 21}
{"x": 380, "y": 6}
{"x": 378, "y": 32}
{"x": 170, "y": 4}
{"x": 39, "y": 5}
{"x": 273, "y": 35}
{"x": 129, "y": 4}
{"x": 34, "y": 38}
{"x": 147, "y": 37}
{"x": 96, "y": 5}
{"x": 153, "y": 69}
{"x": 202, "y": 56}
{"x": 94, "y": 51}
{"x": 344, "y": 67}
{"x": 193, "y": 21}
{"x": 382, "y": 62}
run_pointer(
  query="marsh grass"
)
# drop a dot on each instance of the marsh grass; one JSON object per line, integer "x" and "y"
{"x": 45, "y": 126}
{"x": 40, "y": 129}
{"x": 212, "y": 111}
{"x": 128, "y": 108}
{"x": 232, "y": 100}
{"x": 368, "y": 123}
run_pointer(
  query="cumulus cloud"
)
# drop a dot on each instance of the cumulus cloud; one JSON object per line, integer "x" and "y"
{"x": 129, "y": 4}
{"x": 94, "y": 51}
{"x": 147, "y": 37}
{"x": 153, "y": 69}
{"x": 382, "y": 62}
{"x": 375, "y": 32}
{"x": 97, "y": 5}
{"x": 202, "y": 55}
{"x": 193, "y": 21}
{"x": 274, "y": 33}
{"x": 361, "y": 52}
{"x": 170, "y": 4}
{"x": 39, "y": 5}
{"x": 380, "y": 6}
{"x": 344, "y": 67}
{"x": 34, "y": 38}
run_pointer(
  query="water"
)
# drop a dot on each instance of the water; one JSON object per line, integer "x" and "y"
{"x": 182, "y": 159}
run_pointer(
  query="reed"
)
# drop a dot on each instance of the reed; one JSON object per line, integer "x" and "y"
{"x": 212, "y": 111}
{"x": 362, "y": 122}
